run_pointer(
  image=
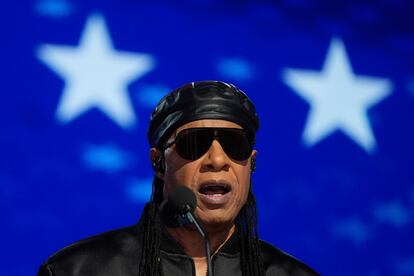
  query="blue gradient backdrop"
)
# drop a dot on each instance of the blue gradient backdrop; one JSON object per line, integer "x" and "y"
{"x": 342, "y": 202}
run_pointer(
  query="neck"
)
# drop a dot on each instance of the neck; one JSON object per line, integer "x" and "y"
{"x": 192, "y": 242}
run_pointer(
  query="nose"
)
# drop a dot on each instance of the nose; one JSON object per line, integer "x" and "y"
{"x": 216, "y": 159}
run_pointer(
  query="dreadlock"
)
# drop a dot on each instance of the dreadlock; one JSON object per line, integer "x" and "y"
{"x": 246, "y": 223}
{"x": 150, "y": 259}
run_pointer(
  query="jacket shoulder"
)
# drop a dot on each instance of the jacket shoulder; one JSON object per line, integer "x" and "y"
{"x": 97, "y": 255}
{"x": 277, "y": 262}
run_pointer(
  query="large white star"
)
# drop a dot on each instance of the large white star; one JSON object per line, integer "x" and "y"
{"x": 96, "y": 75}
{"x": 339, "y": 100}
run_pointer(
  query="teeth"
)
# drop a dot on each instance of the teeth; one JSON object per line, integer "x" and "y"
{"x": 214, "y": 185}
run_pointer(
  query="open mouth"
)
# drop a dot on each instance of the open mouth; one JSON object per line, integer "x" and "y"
{"x": 214, "y": 189}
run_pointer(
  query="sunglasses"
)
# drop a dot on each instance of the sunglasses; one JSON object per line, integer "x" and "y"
{"x": 192, "y": 143}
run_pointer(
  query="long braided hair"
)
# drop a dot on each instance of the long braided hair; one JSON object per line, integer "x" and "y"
{"x": 246, "y": 223}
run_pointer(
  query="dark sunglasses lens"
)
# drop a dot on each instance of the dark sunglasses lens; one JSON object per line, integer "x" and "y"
{"x": 192, "y": 143}
{"x": 235, "y": 144}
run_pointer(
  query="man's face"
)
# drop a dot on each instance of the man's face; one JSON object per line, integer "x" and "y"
{"x": 221, "y": 184}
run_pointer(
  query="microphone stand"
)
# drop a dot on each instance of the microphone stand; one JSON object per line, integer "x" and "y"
{"x": 189, "y": 215}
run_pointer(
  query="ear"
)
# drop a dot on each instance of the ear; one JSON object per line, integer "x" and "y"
{"x": 154, "y": 154}
{"x": 253, "y": 161}
{"x": 254, "y": 154}
{"x": 157, "y": 162}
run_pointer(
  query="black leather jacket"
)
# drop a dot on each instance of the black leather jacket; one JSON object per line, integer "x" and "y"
{"x": 118, "y": 253}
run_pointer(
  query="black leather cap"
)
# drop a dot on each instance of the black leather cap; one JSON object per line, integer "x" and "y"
{"x": 201, "y": 100}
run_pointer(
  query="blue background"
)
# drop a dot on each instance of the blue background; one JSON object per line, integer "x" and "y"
{"x": 336, "y": 206}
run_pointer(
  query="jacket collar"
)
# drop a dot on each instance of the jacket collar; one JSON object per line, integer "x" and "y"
{"x": 169, "y": 244}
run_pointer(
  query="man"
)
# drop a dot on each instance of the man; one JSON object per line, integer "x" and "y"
{"x": 201, "y": 136}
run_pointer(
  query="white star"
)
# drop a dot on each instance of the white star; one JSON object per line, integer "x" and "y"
{"x": 339, "y": 100}
{"x": 96, "y": 75}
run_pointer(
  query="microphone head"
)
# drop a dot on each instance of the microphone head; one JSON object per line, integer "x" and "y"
{"x": 181, "y": 200}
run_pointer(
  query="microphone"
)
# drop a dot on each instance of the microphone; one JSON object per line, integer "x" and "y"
{"x": 180, "y": 201}
{"x": 178, "y": 211}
